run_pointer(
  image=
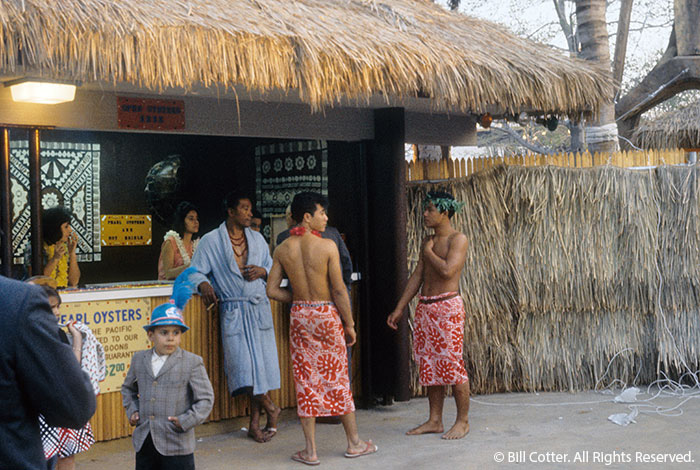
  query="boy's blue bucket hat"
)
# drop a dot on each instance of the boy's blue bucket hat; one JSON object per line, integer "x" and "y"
{"x": 167, "y": 314}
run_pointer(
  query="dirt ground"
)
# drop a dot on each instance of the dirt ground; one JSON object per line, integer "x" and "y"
{"x": 508, "y": 431}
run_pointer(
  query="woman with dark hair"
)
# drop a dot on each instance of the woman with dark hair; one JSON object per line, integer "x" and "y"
{"x": 180, "y": 243}
{"x": 60, "y": 243}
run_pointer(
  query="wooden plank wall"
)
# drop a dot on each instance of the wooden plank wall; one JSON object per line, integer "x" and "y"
{"x": 420, "y": 170}
{"x": 203, "y": 338}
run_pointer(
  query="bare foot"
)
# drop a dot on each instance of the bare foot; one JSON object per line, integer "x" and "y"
{"x": 426, "y": 428}
{"x": 271, "y": 425}
{"x": 458, "y": 431}
{"x": 258, "y": 435}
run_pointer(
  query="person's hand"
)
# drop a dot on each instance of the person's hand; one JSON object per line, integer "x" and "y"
{"x": 176, "y": 422}
{"x": 350, "y": 335}
{"x": 77, "y": 336}
{"x": 393, "y": 319}
{"x": 207, "y": 293}
{"x": 59, "y": 251}
{"x": 72, "y": 243}
{"x": 251, "y": 272}
{"x": 134, "y": 418}
{"x": 429, "y": 243}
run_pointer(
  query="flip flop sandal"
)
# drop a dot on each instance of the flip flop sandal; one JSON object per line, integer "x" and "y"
{"x": 369, "y": 449}
{"x": 299, "y": 458}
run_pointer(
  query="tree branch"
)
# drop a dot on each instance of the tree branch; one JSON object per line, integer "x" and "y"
{"x": 506, "y": 129}
{"x": 623, "y": 27}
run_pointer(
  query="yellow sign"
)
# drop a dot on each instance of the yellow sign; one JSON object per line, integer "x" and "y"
{"x": 118, "y": 326}
{"x": 126, "y": 230}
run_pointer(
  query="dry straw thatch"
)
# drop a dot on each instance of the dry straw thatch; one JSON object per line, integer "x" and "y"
{"x": 567, "y": 267}
{"x": 325, "y": 50}
{"x": 678, "y": 128}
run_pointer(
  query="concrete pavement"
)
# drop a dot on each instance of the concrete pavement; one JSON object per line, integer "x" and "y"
{"x": 523, "y": 431}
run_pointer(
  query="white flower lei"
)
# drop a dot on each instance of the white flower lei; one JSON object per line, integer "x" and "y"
{"x": 181, "y": 246}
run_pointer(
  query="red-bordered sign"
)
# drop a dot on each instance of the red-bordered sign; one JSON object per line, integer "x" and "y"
{"x": 144, "y": 113}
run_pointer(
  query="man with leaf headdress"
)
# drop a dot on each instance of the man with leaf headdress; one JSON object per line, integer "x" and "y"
{"x": 438, "y": 329}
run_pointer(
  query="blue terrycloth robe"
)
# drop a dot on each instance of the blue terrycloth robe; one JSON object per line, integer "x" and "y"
{"x": 247, "y": 333}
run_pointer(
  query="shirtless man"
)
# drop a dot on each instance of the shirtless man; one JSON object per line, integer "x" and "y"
{"x": 317, "y": 337}
{"x": 439, "y": 318}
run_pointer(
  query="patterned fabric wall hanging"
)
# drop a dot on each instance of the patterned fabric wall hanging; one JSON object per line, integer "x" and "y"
{"x": 70, "y": 177}
{"x": 284, "y": 169}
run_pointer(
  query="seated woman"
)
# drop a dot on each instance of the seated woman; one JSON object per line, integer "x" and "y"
{"x": 180, "y": 243}
{"x": 60, "y": 243}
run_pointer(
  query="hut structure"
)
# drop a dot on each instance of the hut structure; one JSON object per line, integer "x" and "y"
{"x": 358, "y": 78}
{"x": 679, "y": 128}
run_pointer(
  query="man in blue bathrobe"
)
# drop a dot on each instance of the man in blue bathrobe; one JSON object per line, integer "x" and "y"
{"x": 232, "y": 263}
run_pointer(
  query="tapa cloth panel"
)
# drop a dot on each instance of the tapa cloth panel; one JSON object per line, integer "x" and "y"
{"x": 438, "y": 340}
{"x": 70, "y": 177}
{"x": 319, "y": 360}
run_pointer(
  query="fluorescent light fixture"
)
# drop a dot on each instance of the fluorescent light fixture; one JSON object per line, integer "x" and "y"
{"x": 29, "y": 90}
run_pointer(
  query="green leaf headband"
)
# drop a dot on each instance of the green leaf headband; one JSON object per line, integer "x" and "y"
{"x": 443, "y": 204}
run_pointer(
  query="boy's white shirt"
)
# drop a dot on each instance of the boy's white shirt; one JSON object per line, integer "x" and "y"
{"x": 157, "y": 362}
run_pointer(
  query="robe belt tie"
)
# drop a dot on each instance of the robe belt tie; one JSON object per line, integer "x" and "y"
{"x": 253, "y": 299}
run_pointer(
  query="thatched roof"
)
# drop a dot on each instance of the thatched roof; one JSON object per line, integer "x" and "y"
{"x": 323, "y": 50}
{"x": 679, "y": 128}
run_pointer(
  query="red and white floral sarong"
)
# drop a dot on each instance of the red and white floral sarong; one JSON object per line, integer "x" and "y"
{"x": 438, "y": 340}
{"x": 319, "y": 360}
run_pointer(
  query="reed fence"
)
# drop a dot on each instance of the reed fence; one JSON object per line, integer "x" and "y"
{"x": 458, "y": 168}
{"x": 570, "y": 267}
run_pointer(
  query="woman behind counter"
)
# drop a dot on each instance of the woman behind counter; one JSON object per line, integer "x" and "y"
{"x": 180, "y": 243}
{"x": 60, "y": 243}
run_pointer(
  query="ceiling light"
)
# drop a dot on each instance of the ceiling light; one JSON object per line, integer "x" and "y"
{"x": 28, "y": 90}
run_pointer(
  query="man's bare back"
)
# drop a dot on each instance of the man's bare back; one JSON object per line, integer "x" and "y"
{"x": 312, "y": 265}
{"x": 305, "y": 260}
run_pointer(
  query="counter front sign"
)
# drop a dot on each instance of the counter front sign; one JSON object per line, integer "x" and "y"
{"x": 118, "y": 326}
{"x": 144, "y": 113}
{"x": 126, "y": 230}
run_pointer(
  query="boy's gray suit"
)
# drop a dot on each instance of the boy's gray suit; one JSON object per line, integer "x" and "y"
{"x": 181, "y": 389}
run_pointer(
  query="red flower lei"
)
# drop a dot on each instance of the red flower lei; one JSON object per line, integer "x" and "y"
{"x": 298, "y": 231}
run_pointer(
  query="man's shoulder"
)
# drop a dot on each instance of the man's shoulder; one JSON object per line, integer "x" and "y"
{"x": 457, "y": 235}
{"x": 282, "y": 236}
{"x": 331, "y": 232}
{"x": 15, "y": 295}
{"x": 327, "y": 243}
{"x": 257, "y": 236}
{"x": 14, "y": 290}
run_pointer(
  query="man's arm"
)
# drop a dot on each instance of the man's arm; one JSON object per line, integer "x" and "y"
{"x": 412, "y": 287}
{"x": 252, "y": 272}
{"x": 340, "y": 295}
{"x": 48, "y": 374}
{"x": 200, "y": 261}
{"x": 345, "y": 260}
{"x": 456, "y": 256}
{"x": 274, "y": 291}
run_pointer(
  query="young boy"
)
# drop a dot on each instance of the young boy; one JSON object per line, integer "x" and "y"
{"x": 166, "y": 393}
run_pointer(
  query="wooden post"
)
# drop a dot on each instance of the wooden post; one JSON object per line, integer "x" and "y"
{"x": 6, "y": 206}
{"x": 35, "y": 200}
{"x": 386, "y": 180}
